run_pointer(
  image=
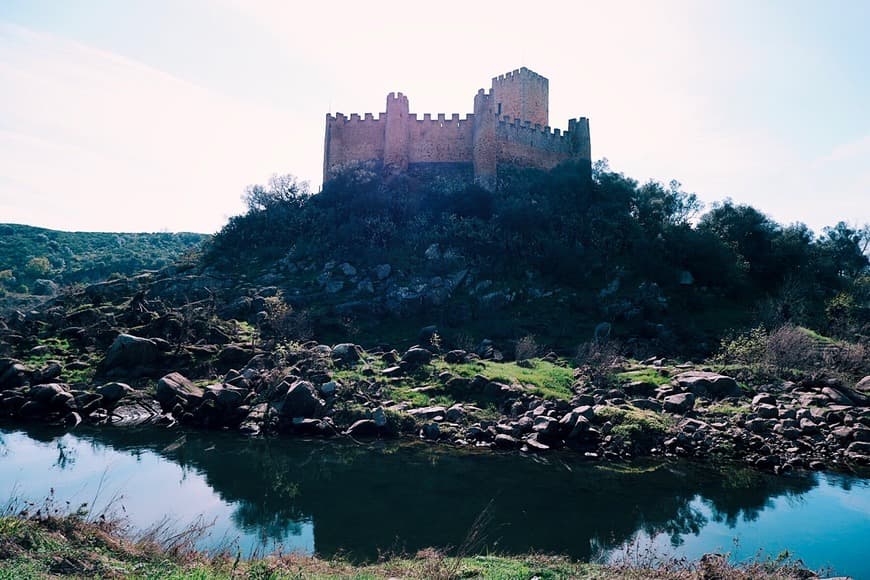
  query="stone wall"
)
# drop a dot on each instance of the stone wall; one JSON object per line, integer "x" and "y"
{"x": 352, "y": 139}
{"x": 508, "y": 126}
{"x": 522, "y": 94}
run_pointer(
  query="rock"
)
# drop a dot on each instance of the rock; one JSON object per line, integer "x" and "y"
{"x": 763, "y": 399}
{"x": 328, "y": 389}
{"x": 48, "y": 373}
{"x": 42, "y": 287}
{"x": 129, "y": 352}
{"x": 347, "y": 353}
{"x": 112, "y": 393}
{"x": 680, "y": 403}
{"x": 836, "y": 396}
{"x": 428, "y": 412}
{"x": 431, "y": 431}
{"x": 382, "y": 271}
{"x": 766, "y": 411}
{"x": 640, "y": 388}
{"x": 45, "y": 394}
{"x": 363, "y": 428}
{"x": 13, "y": 374}
{"x": 231, "y": 397}
{"x": 533, "y": 445}
{"x": 503, "y": 441}
{"x": 347, "y": 269}
{"x": 176, "y": 386}
{"x": 707, "y": 384}
{"x": 379, "y": 416}
{"x": 456, "y": 357}
{"x": 302, "y": 401}
{"x": 859, "y": 451}
{"x": 433, "y": 252}
{"x": 455, "y": 413}
{"x": 808, "y": 426}
{"x": 416, "y": 356}
{"x": 234, "y": 355}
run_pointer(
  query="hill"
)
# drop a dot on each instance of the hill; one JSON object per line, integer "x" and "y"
{"x": 36, "y": 260}
{"x": 551, "y": 255}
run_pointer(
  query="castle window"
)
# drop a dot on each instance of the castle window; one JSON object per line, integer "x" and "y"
{"x": 499, "y": 110}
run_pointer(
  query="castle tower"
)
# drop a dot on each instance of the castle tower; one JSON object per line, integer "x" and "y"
{"x": 396, "y": 139}
{"x": 484, "y": 149}
{"x": 522, "y": 94}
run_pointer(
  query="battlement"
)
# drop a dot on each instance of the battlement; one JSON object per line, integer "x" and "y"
{"x": 519, "y": 75}
{"x": 509, "y": 125}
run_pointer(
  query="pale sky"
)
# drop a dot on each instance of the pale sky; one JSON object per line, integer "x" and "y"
{"x": 147, "y": 115}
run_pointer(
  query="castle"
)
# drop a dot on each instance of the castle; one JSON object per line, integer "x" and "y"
{"x": 509, "y": 127}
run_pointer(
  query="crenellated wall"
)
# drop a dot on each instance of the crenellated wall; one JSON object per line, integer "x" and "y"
{"x": 522, "y": 143}
{"x": 508, "y": 126}
{"x": 522, "y": 94}
{"x": 352, "y": 139}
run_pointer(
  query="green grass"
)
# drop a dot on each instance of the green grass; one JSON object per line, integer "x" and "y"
{"x": 71, "y": 547}
{"x": 646, "y": 375}
{"x": 727, "y": 409}
{"x": 544, "y": 379}
{"x": 635, "y": 426}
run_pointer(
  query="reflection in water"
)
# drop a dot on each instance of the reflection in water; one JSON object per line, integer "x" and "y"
{"x": 362, "y": 500}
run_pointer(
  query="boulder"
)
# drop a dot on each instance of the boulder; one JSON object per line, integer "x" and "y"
{"x": 382, "y": 271}
{"x": 680, "y": 403}
{"x": 363, "y": 428}
{"x": 176, "y": 386}
{"x": 766, "y": 411}
{"x": 13, "y": 374}
{"x": 129, "y": 352}
{"x": 707, "y": 384}
{"x": 503, "y": 441}
{"x": 328, "y": 389}
{"x": 113, "y": 392}
{"x": 301, "y": 400}
{"x": 45, "y": 394}
{"x": 431, "y": 431}
{"x": 863, "y": 385}
{"x": 346, "y": 352}
{"x": 428, "y": 412}
{"x": 859, "y": 451}
{"x": 416, "y": 356}
{"x": 456, "y": 357}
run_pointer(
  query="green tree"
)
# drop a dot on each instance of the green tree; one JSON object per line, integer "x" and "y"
{"x": 39, "y": 266}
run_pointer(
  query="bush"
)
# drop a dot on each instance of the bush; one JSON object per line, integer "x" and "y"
{"x": 790, "y": 347}
{"x": 527, "y": 348}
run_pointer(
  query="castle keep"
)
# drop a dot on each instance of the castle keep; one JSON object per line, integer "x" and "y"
{"x": 509, "y": 126}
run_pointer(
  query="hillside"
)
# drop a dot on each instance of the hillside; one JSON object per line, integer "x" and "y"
{"x": 550, "y": 255}
{"x": 29, "y": 254}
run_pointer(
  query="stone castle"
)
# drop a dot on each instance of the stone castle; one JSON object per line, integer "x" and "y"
{"x": 509, "y": 127}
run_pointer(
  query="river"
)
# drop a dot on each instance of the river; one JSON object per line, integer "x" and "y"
{"x": 330, "y": 497}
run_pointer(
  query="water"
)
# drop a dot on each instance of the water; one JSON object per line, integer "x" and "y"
{"x": 330, "y": 497}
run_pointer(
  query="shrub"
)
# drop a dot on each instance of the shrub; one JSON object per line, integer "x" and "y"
{"x": 527, "y": 348}
{"x": 790, "y": 347}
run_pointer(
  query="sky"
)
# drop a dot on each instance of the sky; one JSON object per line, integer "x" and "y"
{"x": 154, "y": 115}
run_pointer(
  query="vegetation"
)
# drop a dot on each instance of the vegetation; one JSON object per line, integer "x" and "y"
{"x": 71, "y": 546}
{"x": 28, "y": 254}
{"x": 641, "y": 256}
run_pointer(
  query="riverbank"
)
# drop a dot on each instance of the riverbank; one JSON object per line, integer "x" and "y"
{"x": 613, "y": 409}
{"x": 42, "y": 546}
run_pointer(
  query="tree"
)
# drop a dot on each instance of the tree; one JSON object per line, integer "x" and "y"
{"x": 39, "y": 266}
{"x": 281, "y": 190}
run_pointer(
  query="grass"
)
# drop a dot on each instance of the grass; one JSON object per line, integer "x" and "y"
{"x": 71, "y": 547}
{"x": 727, "y": 409}
{"x": 636, "y": 427}
{"x": 646, "y": 375}
{"x": 543, "y": 378}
